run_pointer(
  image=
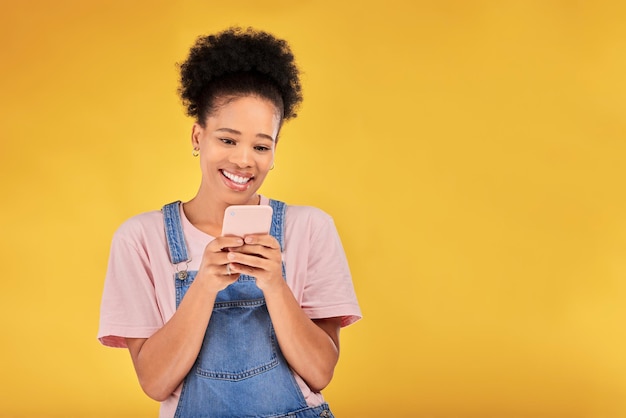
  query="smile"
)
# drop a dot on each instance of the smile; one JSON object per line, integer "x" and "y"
{"x": 236, "y": 179}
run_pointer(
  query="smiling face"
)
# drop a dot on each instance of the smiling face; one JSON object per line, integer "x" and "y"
{"x": 236, "y": 146}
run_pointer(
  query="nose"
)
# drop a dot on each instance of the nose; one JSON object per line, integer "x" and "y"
{"x": 241, "y": 156}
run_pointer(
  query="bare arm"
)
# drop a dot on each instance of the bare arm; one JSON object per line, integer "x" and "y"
{"x": 311, "y": 347}
{"x": 163, "y": 360}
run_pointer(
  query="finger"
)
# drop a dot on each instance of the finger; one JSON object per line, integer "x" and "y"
{"x": 244, "y": 269}
{"x": 222, "y": 243}
{"x": 253, "y": 261}
{"x": 259, "y": 251}
{"x": 265, "y": 240}
{"x": 230, "y": 269}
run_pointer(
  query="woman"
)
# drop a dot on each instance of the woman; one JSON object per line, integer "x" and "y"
{"x": 226, "y": 326}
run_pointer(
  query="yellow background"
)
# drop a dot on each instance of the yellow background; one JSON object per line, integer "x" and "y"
{"x": 471, "y": 153}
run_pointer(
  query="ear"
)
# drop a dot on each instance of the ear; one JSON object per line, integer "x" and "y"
{"x": 196, "y": 133}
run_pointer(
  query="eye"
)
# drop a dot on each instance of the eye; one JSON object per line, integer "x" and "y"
{"x": 262, "y": 148}
{"x": 227, "y": 141}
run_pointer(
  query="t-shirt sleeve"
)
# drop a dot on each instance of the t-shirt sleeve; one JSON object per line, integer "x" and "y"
{"x": 329, "y": 291}
{"x": 129, "y": 305}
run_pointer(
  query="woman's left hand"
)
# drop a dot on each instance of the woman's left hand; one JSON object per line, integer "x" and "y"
{"x": 259, "y": 257}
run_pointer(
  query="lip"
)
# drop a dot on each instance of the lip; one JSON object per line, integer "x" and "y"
{"x": 233, "y": 185}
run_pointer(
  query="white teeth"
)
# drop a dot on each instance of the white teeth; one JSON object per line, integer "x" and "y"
{"x": 236, "y": 179}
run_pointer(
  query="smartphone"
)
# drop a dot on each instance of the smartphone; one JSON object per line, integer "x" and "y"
{"x": 242, "y": 220}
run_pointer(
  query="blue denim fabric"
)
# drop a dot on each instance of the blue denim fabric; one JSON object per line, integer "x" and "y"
{"x": 240, "y": 371}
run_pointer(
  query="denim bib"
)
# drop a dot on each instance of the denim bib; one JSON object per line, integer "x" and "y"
{"x": 240, "y": 370}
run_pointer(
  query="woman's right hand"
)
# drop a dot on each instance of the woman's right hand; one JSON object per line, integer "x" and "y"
{"x": 163, "y": 360}
{"x": 214, "y": 270}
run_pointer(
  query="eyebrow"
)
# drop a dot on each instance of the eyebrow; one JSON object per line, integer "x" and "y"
{"x": 236, "y": 132}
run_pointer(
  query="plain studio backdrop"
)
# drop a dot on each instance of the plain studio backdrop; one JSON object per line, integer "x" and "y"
{"x": 470, "y": 152}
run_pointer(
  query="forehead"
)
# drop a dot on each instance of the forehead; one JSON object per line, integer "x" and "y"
{"x": 238, "y": 104}
{"x": 250, "y": 115}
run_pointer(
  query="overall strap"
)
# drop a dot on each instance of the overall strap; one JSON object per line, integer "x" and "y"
{"x": 174, "y": 233}
{"x": 277, "y": 230}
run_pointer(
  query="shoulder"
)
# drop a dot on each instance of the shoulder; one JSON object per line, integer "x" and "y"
{"x": 140, "y": 226}
{"x": 306, "y": 214}
{"x": 141, "y": 221}
{"x": 308, "y": 223}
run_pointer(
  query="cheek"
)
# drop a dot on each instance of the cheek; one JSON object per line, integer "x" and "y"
{"x": 212, "y": 156}
{"x": 266, "y": 160}
{"x": 264, "y": 167}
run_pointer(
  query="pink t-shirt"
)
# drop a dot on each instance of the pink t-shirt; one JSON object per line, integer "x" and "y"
{"x": 139, "y": 294}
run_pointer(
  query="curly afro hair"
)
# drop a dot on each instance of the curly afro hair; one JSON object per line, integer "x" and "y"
{"x": 239, "y": 62}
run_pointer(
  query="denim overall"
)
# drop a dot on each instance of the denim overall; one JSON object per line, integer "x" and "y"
{"x": 240, "y": 371}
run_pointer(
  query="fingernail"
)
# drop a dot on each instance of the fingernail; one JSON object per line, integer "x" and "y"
{"x": 249, "y": 240}
{"x": 231, "y": 256}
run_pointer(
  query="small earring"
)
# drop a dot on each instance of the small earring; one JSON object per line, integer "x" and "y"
{"x": 195, "y": 152}
{"x": 272, "y": 167}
